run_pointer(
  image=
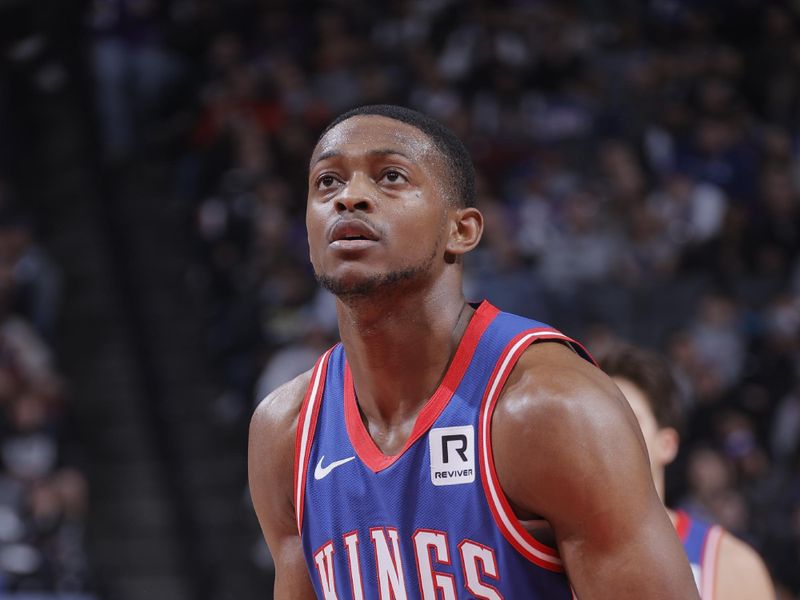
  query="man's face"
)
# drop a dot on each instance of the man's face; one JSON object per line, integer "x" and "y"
{"x": 377, "y": 211}
{"x": 660, "y": 441}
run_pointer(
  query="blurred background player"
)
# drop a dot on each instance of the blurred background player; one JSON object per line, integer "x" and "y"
{"x": 724, "y": 567}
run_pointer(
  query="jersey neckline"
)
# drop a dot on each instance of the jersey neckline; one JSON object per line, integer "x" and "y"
{"x": 365, "y": 447}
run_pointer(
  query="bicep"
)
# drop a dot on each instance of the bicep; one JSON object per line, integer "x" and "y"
{"x": 641, "y": 561}
{"x": 270, "y": 475}
{"x": 614, "y": 534}
{"x": 292, "y": 581}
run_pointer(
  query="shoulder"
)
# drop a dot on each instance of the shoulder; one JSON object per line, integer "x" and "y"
{"x": 569, "y": 416}
{"x": 741, "y": 574}
{"x": 551, "y": 384}
{"x": 273, "y": 427}
{"x": 270, "y": 462}
{"x": 567, "y": 449}
{"x": 275, "y": 418}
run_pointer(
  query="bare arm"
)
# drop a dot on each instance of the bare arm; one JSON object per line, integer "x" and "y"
{"x": 589, "y": 477}
{"x": 271, "y": 476}
{"x": 741, "y": 574}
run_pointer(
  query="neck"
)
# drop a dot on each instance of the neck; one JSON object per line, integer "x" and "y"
{"x": 658, "y": 480}
{"x": 673, "y": 516}
{"x": 399, "y": 347}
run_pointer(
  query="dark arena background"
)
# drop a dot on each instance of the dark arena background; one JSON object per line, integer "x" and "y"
{"x": 639, "y": 167}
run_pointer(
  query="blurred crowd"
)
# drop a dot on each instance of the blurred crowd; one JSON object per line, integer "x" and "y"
{"x": 43, "y": 490}
{"x": 639, "y": 169}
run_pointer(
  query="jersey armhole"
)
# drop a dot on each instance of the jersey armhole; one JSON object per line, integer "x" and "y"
{"x": 304, "y": 437}
{"x": 504, "y": 517}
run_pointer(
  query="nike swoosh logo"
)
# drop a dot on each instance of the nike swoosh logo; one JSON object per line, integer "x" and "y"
{"x": 321, "y": 472}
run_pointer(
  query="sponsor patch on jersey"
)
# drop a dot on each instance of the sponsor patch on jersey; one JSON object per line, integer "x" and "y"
{"x": 452, "y": 452}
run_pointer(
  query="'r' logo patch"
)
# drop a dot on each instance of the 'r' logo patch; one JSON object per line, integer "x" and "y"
{"x": 452, "y": 452}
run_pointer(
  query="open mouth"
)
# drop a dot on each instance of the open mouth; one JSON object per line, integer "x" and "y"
{"x": 352, "y": 231}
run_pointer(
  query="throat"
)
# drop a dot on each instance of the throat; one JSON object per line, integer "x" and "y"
{"x": 390, "y": 439}
{"x": 396, "y": 374}
{"x": 401, "y": 362}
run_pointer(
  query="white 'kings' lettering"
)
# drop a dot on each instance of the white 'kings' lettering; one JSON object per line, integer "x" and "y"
{"x": 430, "y": 546}
{"x": 471, "y": 555}
{"x": 391, "y": 581}
{"x": 351, "y": 543}
{"x": 324, "y": 561}
{"x": 429, "y": 580}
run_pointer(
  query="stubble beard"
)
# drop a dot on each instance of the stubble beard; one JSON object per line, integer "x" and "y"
{"x": 377, "y": 285}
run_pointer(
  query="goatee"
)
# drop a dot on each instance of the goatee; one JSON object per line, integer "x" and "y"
{"x": 383, "y": 283}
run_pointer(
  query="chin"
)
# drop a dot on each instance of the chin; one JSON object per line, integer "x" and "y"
{"x": 350, "y": 286}
{"x": 353, "y": 286}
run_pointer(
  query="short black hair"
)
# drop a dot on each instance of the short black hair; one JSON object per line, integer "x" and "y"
{"x": 459, "y": 163}
{"x": 651, "y": 373}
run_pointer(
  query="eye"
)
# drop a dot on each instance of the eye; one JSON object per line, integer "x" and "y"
{"x": 394, "y": 176}
{"x": 326, "y": 181}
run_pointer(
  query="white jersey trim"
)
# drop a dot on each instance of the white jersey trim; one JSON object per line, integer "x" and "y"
{"x": 510, "y": 523}
{"x": 306, "y": 422}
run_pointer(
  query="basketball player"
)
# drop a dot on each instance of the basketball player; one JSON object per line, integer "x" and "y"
{"x": 443, "y": 450}
{"x": 724, "y": 567}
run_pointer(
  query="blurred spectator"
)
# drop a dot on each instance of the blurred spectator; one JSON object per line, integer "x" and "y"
{"x": 291, "y": 360}
{"x": 717, "y": 341}
{"x": 498, "y": 270}
{"x": 774, "y": 239}
{"x": 43, "y": 493}
{"x": 35, "y": 279}
{"x": 132, "y": 68}
{"x": 690, "y": 212}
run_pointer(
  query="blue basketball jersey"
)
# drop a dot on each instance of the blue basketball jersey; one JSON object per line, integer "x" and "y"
{"x": 432, "y": 521}
{"x": 701, "y": 543}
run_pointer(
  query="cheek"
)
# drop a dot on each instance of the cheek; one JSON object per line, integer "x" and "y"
{"x": 417, "y": 240}
{"x": 315, "y": 232}
{"x": 425, "y": 228}
{"x": 649, "y": 435}
{"x": 312, "y": 250}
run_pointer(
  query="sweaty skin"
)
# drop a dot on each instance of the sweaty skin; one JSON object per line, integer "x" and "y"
{"x": 741, "y": 574}
{"x": 566, "y": 445}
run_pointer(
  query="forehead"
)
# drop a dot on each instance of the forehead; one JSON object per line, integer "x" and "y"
{"x": 363, "y": 134}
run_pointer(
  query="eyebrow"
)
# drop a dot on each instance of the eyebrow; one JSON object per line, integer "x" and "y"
{"x": 377, "y": 152}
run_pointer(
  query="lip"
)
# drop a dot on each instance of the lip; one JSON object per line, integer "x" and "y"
{"x": 349, "y": 232}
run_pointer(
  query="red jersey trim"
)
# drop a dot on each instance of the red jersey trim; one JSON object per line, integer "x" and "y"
{"x": 365, "y": 446}
{"x": 682, "y": 524}
{"x": 508, "y": 523}
{"x": 710, "y": 558}
{"x": 306, "y": 424}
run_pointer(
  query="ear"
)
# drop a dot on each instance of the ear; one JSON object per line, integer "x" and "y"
{"x": 466, "y": 228}
{"x": 667, "y": 442}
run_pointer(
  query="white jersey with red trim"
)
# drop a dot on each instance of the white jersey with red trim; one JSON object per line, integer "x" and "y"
{"x": 432, "y": 521}
{"x": 701, "y": 543}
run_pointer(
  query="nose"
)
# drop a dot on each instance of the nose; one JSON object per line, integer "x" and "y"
{"x": 356, "y": 195}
